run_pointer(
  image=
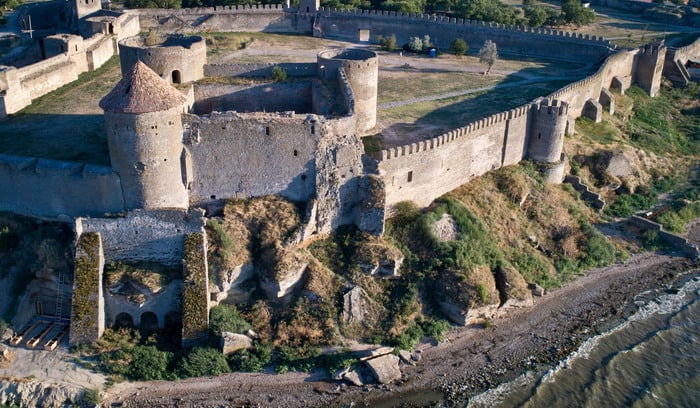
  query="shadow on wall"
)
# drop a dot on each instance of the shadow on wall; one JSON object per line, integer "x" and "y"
{"x": 79, "y": 138}
{"x": 272, "y": 97}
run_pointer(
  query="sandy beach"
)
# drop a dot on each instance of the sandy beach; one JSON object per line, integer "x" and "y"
{"x": 468, "y": 361}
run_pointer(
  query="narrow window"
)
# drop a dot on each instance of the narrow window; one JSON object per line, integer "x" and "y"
{"x": 213, "y": 197}
{"x": 296, "y": 153}
{"x": 539, "y": 135}
{"x": 313, "y": 129}
{"x": 267, "y": 131}
{"x": 410, "y": 176}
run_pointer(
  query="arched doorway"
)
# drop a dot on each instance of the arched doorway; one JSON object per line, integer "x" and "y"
{"x": 177, "y": 79}
{"x": 149, "y": 323}
{"x": 123, "y": 320}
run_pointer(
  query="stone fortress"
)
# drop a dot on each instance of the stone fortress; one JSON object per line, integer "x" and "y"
{"x": 179, "y": 148}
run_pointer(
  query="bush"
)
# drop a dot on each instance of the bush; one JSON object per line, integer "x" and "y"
{"x": 149, "y": 363}
{"x": 202, "y": 361}
{"x": 226, "y": 318}
{"x": 408, "y": 339}
{"x": 459, "y": 47}
{"x": 90, "y": 397}
{"x": 482, "y": 292}
{"x": 387, "y": 43}
{"x": 278, "y": 74}
{"x": 251, "y": 360}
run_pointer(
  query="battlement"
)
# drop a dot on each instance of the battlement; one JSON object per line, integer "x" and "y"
{"x": 652, "y": 49}
{"x": 556, "y": 107}
{"x": 394, "y": 15}
{"x": 256, "y": 8}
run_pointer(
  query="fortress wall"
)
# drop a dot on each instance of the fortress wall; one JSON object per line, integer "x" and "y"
{"x": 293, "y": 70}
{"x": 100, "y": 48}
{"x": 154, "y": 235}
{"x": 127, "y": 25}
{"x": 687, "y": 52}
{"x": 272, "y": 97}
{"x": 235, "y": 155}
{"x": 521, "y": 41}
{"x": 50, "y": 188}
{"x": 268, "y": 18}
{"x": 516, "y": 135}
{"x": 422, "y": 171}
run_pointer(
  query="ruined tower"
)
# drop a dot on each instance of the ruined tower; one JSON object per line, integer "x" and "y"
{"x": 547, "y": 128}
{"x": 82, "y": 8}
{"x": 649, "y": 66}
{"x": 144, "y": 132}
{"x": 361, "y": 70}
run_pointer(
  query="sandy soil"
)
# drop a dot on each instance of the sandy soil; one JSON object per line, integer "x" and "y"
{"x": 469, "y": 360}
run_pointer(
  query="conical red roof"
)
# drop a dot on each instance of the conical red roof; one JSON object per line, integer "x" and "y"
{"x": 141, "y": 91}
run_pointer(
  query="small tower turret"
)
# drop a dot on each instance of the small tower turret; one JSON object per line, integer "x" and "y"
{"x": 547, "y": 129}
{"x": 144, "y": 132}
{"x": 649, "y": 66}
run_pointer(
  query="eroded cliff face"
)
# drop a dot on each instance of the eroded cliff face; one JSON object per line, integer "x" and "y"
{"x": 38, "y": 394}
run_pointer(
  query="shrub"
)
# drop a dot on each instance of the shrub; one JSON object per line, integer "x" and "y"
{"x": 251, "y": 360}
{"x": 149, "y": 363}
{"x": 226, "y": 318}
{"x": 387, "y": 43}
{"x": 415, "y": 44}
{"x": 482, "y": 292}
{"x": 202, "y": 361}
{"x": 278, "y": 74}
{"x": 459, "y": 47}
{"x": 408, "y": 339}
{"x": 435, "y": 328}
{"x": 90, "y": 397}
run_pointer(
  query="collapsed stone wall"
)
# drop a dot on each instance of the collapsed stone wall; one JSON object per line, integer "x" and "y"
{"x": 676, "y": 60}
{"x": 51, "y": 188}
{"x": 154, "y": 235}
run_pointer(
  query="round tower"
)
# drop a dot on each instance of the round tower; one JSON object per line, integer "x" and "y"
{"x": 361, "y": 68}
{"x": 144, "y": 133}
{"x": 176, "y": 58}
{"x": 547, "y": 129}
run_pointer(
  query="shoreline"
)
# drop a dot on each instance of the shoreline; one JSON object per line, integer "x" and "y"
{"x": 468, "y": 362}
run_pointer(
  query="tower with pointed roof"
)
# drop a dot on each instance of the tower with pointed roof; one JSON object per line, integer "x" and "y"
{"x": 144, "y": 133}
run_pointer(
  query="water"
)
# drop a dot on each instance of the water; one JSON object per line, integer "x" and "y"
{"x": 650, "y": 360}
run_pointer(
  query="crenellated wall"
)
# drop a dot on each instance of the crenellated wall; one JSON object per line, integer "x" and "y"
{"x": 514, "y": 40}
{"x": 423, "y": 171}
{"x": 51, "y": 189}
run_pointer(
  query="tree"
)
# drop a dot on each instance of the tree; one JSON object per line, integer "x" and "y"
{"x": 459, "y": 47}
{"x": 278, "y": 74}
{"x": 488, "y": 54}
{"x": 487, "y": 10}
{"x": 426, "y": 42}
{"x": 415, "y": 44}
{"x": 537, "y": 16}
{"x": 573, "y": 12}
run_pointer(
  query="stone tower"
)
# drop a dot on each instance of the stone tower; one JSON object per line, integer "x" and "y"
{"x": 547, "y": 128}
{"x": 649, "y": 64}
{"x": 82, "y": 8}
{"x": 309, "y": 6}
{"x": 144, "y": 132}
{"x": 361, "y": 68}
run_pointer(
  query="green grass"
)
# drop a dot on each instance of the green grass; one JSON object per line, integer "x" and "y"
{"x": 66, "y": 124}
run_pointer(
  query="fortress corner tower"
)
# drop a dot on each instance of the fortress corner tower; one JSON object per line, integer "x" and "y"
{"x": 144, "y": 132}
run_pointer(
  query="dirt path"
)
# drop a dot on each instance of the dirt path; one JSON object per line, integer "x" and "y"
{"x": 470, "y": 359}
